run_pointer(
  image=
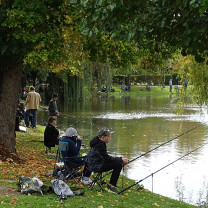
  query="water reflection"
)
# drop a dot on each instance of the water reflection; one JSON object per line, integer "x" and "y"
{"x": 140, "y": 125}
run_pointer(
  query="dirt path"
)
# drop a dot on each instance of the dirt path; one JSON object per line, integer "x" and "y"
{"x": 6, "y": 191}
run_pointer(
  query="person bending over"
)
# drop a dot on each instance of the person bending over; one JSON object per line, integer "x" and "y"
{"x": 99, "y": 160}
{"x": 51, "y": 134}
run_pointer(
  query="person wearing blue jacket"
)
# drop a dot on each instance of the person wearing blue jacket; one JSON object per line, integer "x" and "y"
{"x": 74, "y": 144}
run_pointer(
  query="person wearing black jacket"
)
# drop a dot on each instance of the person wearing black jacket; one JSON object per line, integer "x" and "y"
{"x": 51, "y": 134}
{"x": 99, "y": 160}
{"x": 53, "y": 110}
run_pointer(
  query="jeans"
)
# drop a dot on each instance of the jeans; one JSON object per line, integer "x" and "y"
{"x": 32, "y": 112}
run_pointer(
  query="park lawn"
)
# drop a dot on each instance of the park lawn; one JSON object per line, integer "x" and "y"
{"x": 140, "y": 90}
{"x": 31, "y": 149}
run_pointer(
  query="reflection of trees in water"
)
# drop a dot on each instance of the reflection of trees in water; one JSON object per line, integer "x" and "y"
{"x": 202, "y": 200}
{"x": 125, "y": 101}
{"x": 179, "y": 188}
{"x": 202, "y": 195}
{"x": 192, "y": 139}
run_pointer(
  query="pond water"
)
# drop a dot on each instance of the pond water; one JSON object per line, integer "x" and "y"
{"x": 139, "y": 125}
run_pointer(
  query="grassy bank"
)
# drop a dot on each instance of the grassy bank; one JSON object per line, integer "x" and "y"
{"x": 140, "y": 90}
{"x": 35, "y": 162}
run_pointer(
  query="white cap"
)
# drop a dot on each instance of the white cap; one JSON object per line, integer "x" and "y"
{"x": 71, "y": 132}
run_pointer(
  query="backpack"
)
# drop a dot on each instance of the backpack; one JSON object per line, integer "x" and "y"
{"x": 61, "y": 189}
{"x": 30, "y": 185}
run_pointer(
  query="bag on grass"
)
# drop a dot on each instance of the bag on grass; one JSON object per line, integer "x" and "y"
{"x": 30, "y": 185}
{"x": 61, "y": 189}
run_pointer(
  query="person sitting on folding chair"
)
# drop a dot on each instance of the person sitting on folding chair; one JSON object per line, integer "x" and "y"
{"x": 51, "y": 134}
{"x": 74, "y": 144}
{"x": 68, "y": 153}
{"x": 99, "y": 161}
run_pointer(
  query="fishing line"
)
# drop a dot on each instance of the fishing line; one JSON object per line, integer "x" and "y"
{"x": 160, "y": 145}
{"x": 161, "y": 169}
{"x": 164, "y": 143}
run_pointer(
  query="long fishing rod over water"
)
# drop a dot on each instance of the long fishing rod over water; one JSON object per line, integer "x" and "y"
{"x": 164, "y": 143}
{"x": 161, "y": 169}
{"x": 155, "y": 148}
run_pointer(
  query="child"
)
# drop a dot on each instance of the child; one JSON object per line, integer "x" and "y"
{"x": 51, "y": 134}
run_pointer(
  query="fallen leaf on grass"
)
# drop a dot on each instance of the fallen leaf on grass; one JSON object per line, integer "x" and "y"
{"x": 12, "y": 202}
{"x": 100, "y": 206}
{"x": 156, "y": 204}
{"x": 163, "y": 200}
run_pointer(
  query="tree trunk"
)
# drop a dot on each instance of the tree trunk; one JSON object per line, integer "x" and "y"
{"x": 108, "y": 79}
{"x": 9, "y": 94}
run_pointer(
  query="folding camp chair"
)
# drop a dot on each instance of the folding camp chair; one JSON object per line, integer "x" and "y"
{"x": 68, "y": 168}
{"x": 97, "y": 179}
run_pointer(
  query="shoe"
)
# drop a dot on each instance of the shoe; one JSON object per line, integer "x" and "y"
{"x": 112, "y": 189}
{"x": 86, "y": 182}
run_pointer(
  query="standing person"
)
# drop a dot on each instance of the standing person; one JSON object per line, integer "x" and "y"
{"x": 171, "y": 85}
{"x": 186, "y": 84}
{"x": 51, "y": 134}
{"x": 33, "y": 99}
{"x": 99, "y": 160}
{"x": 53, "y": 110}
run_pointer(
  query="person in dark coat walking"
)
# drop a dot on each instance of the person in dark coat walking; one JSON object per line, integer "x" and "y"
{"x": 51, "y": 134}
{"x": 100, "y": 160}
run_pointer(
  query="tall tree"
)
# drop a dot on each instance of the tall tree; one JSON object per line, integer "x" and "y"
{"x": 181, "y": 24}
{"x": 32, "y": 32}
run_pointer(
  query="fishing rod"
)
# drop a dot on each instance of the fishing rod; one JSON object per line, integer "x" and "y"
{"x": 164, "y": 143}
{"x": 161, "y": 169}
{"x": 159, "y": 146}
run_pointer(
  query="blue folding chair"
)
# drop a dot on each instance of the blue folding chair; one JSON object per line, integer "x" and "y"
{"x": 68, "y": 167}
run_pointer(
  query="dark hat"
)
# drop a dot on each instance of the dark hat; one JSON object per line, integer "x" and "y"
{"x": 55, "y": 95}
{"x": 104, "y": 132}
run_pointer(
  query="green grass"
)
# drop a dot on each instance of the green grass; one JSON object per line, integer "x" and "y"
{"x": 31, "y": 148}
{"x": 140, "y": 90}
{"x": 131, "y": 199}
